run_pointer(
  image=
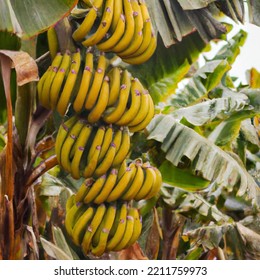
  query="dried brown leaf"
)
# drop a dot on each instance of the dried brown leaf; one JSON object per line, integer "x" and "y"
{"x": 132, "y": 253}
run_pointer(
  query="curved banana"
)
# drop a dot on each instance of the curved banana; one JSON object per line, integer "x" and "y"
{"x": 103, "y": 26}
{"x": 83, "y": 189}
{"x": 129, "y": 229}
{"x": 66, "y": 93}
{"x": 147, "y": 119}
{"x": 145, "y": 56}
{"x": 138, "y": 33}
{"x": 72, "y": 216}
{"x": 95, "y": 189}
{"x": 62, "y": 134}
{"x": 65, "y": 159}
{"x": 45, "y": 93}
{"x": 70, "y": 202}
{"x": 157, "y": 184}
{"x": 109, "y": 218}
{"x": 134, "y": 106}
{"x": 86, "y": 25}
{"x": 79, "y": 101}
{"x": 92, "y": 163}
{"x": 108, "y": 138}
{"x": 58, "y": 79}
{"x": 53, "y": 42}
{"x": 108, "y": 186}
{"x": 101, "y": 104}
{"x": 117, "y": 112}
{"x": 92, "y": 228}
{"x": 118, "y": 10}
{"x": 121, "y": 186}
{"x": 80, "y": 145}
{"x": 115, "y": 78}
{"x": 123, "y": 149}
{"x": 149, "y": 180}
{"x": 137, "y": 228}
{"x": 107, "y": 161}
{"x": 97, "y": 141}
{"x": 120, "y": 229}
{"x": 97, "y": 82}
{"x": 98, "y": 3}
{"x": 118, "y": 138}
{"x": 81, "y": 225}
{"x": 41, "y": 83}
{"x": 135, "y": 185}
{"x": 109, "y": 43}
{"x": 122, "y": 169}
{"x": 129, "y": 30}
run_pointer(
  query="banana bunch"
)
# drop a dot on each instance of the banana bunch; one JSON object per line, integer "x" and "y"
{"x": 102, "y": 228}
{"x": 116, "y": 98}
{"x": 125, "y": 28}
{"x": 135, "y": 181}
{"x": 86, "y": 150}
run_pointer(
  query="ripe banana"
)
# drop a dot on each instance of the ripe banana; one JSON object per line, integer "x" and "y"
{"x": 92, "y": 228}
{"x": 122, "y": 169}
{"x": 118, "y": 138}
{"x": 101, "y": 104}
{"x": 117, "y": 112}
{"x": 134, "y": 106}
{"x": 109, "y": 218}
{"x": 95, "y": 189}
{"x": 115, "y": 78}
{"x": 97, "y": 141}
{"x": 157, "y": 184}
{"x": 58, "y": 79}
{"x": 137, "y": 228}
{"x": 108, "y": 138}
{"x": 93, "y": 93}
{"x": 118, "y": 10}
{"x": 92, "y": 163}
{"x": 70, "y": 202}
{"x": 120, "y": 225}
{"x": 83, "y": 189}
{"x": 103, "y": 26}
{"x": 79, "y": 101}
{"x": 53, "y": 42}
{"x": 66, "y": 93}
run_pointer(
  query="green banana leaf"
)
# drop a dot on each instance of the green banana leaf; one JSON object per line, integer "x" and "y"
{"x": 29, "y": 17}
{"x": 192, "y": 5}
{"x": 206, "y": 159}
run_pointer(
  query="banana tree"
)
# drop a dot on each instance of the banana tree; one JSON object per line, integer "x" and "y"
{"x": 204, "y": 138}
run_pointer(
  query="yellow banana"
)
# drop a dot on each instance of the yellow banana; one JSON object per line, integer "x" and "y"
{"x": 120, "y": 229}
{"x": 129, "y": 229}
{"x": 79, "y": 101}
{"x": 45, "y": 93}
{"x": 118, "y": 10}
{"x": 134, "y": 106}
{"x": 80, "y": 147}
{"x": 109, "y": 43}
{"x": 81, "y": 225}
{"x": 62, "y": 134}
{"x": 118, "y": 137}
{"x": 137, "y": 228}
{"x": 108, "y": 138}
{"x": 65, "y": 160}
{"x": 103, "y": 26}
{"x": 58, "y": 80}
{"x": 129, "y": 30}
{"x": 157, "y": 184}
{"x": 86, "y": 25}
{"x": 107, "y": 161}
{"x": 109, "y": 218}
{"x": 108, "y": 186}
{"x": 92, "y": 163}
{"x": 92, "y": 228}
{"x": 146, "y": 55}
{"x": 83, "y": 189}
{"x": 117, "y": 112}
{"x": 138, "y": 33}
{"x": 66, "y": 93}
{"x": 70, "y": 202}
{"x": 122, "y": 169}
{"x": 149, "y": 180}
{"x": 101, "y": 104}
{"x": 97, "y": 141}
{"x": 95, "y": 189}
{"x": 120, "y": 186}
{"x": 97, "y": 82}
{"x": 123, "y": 149}
{"x": 98, "y": 3}
{"x": 147, "y": 119}
{"x": 53, "y": 42}
{"x": 115, "y": 78}
{"x": 72, "y": 216}
{"x": 135, "y": 185}
{"x": 143, "y": 109}
{"x": 41, "y": 83}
